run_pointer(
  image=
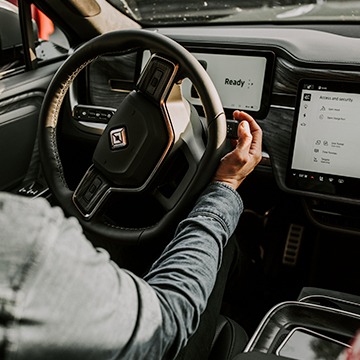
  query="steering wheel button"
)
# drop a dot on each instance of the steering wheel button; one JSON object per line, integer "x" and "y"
{"x": 97, "y": 183}
{"x": 88, "y": 196}
{"x": 92, "y": 189}
{"x": 158, "y": 75}
{"x": 154, "y": 82}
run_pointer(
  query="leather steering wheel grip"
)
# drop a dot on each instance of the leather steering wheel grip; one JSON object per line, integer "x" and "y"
{"x": 188, "y": 66}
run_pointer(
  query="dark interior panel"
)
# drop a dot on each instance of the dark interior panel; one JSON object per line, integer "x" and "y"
{"x": 21, "y": 97}
{"x": 18, "y": 128}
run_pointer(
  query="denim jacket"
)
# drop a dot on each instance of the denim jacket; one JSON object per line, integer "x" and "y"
{"x": 63, "y": 299}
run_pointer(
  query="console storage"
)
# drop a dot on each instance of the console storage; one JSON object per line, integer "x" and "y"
{"x": 319, "y": 325}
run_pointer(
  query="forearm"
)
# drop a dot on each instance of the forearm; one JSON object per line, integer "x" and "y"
{"x": 184, "y": 275}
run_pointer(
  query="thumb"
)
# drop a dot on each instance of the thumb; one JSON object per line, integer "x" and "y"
{"x": 244, "y": 127}
{"x": 244, "y": 135}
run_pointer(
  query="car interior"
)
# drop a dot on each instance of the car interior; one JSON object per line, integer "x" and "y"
{"x": 119, "y": 112}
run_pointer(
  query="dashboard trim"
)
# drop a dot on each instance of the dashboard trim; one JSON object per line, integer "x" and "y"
{"x": 302, "y": 45}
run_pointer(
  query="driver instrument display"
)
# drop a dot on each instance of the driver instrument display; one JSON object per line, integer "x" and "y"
{"x": 325, "y": 142}
{"x": 242, "y": 79}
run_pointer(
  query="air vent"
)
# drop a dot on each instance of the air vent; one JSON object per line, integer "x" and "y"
{"x": 292, "y": 245}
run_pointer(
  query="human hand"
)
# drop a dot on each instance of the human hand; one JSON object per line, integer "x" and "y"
{"x": 235, "y": 166}
{"x": 353, "y": 352}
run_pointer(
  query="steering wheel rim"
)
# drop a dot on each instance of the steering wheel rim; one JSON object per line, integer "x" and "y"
{"x": 124, "y": 40}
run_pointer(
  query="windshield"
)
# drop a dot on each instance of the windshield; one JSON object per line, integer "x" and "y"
{"x": 175, "y": 12}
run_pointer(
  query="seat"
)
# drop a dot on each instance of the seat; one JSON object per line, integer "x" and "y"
{"x": 230, "y": 339}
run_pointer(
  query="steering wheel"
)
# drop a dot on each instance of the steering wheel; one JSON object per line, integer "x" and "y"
{"x": 155, "y": 148}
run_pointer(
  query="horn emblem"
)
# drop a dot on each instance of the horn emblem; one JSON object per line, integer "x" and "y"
{"x": 118, "y": 138}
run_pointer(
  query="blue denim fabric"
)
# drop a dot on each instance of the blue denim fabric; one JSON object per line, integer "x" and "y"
{"x": 63, "y": 299}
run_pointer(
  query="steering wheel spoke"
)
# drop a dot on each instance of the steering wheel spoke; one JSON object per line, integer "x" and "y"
{"x": 157, "y": 78}
{"x": 91, "y": 193}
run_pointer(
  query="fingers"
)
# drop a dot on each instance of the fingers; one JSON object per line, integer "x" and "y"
{"x": 241, "y": 161}
{"x": 244, "y": 136}
{"x": 254, "y": 127}
{"x": 255, "y": 130}
{"x": 244, "y": 129}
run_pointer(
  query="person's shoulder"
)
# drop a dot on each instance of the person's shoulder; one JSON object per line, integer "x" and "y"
{"x": 22, "y": 217}
{"x": 16, "y": 204}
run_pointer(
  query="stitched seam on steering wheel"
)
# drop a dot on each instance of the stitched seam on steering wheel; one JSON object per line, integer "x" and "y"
{"x": 57, "y": 156}
{"x": 58, "y": 100}
{"x": 125, "y": 228}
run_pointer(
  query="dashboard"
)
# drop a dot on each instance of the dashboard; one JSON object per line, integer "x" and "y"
{"x": 302, "y": 85}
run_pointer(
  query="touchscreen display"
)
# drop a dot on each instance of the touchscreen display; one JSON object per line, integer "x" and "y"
{"x": 325, "y": 142}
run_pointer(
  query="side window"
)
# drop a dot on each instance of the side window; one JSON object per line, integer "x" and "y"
{"x": 49, "y": 41}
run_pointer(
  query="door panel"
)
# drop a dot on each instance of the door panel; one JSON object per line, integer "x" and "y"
{"x": 20, "y": 102}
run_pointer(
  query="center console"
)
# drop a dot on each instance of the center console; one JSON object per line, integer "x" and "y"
{"x": 319, "y": 325}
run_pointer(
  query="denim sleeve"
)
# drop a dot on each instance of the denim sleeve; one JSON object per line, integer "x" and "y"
{"x": 184, "y": 276}
{"x": 63, "y": 299}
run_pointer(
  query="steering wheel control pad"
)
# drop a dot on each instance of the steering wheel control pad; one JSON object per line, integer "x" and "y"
{"x": 92, "y": 189}
{"x": 157, "y": 78}
{"x": 133, "y": 142}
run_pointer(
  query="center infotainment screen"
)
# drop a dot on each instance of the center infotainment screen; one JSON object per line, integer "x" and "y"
{"x": 325, "y": 140}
